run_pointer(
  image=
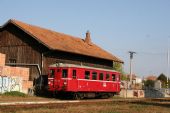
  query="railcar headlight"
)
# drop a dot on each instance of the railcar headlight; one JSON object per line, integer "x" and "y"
{"x": 49, "y": 82}
{"x": 65, "y": 83}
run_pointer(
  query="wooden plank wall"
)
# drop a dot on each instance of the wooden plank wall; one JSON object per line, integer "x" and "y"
{"x": 17, "y": 45}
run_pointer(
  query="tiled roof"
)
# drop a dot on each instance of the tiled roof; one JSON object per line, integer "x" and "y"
{"x": 133, "y": 76}
{"x": 62, "y": 42}
{"x": 151, "y": 77}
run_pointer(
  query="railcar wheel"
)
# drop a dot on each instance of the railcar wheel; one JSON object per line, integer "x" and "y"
{"x": 109, "y": 95}
{"x": 78, "y": 96}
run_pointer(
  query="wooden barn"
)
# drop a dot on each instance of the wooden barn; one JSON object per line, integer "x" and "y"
{"x": 31, "y": 46}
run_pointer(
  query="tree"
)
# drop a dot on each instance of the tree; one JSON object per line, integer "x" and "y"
{"x": 118, "y": 67}
{"x": 163, "y": 79}
{"x": 149, "y": 83}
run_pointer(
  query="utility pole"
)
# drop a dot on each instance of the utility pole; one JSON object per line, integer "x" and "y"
{"x": 131, "y": 58}
{"x": 167, "y": 84}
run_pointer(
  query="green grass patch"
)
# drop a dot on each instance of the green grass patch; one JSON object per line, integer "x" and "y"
{"x": 15, "y": 93}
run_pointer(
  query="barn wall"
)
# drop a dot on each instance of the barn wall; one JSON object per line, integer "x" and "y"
{"x": 18, "y": 46}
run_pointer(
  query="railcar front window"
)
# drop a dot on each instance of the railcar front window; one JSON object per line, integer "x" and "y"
{"x": 94, "y": 76}
{"x": 107, "y": 77}
{"x": 118, "y": 78}
{"x": 101, "y": 76}
{"x": 64, "y": 73}
{"x": 87, "y": 74}
{"x": 74, "y": 74}
{"x": 52, "y": 73}
{"x": 113, "y": 77}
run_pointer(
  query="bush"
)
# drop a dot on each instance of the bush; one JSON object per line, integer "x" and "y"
{"x": 15, "y": 93}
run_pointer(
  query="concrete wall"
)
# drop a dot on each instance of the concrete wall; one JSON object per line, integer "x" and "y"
{"x": 132, "y": 93}
{"x": 157, "y": 93}
{"x": 13, "y": 78}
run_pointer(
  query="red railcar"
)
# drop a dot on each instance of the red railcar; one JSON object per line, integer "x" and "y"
{"x": 82, "y": 81}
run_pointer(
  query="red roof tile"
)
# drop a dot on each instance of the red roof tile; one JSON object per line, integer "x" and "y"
{"x": 60, "y": 41}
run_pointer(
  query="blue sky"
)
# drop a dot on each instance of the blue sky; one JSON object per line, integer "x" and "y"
{"x": 118, "y": 26}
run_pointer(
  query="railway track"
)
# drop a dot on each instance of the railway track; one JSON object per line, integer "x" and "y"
{"x": 51, "y": 102}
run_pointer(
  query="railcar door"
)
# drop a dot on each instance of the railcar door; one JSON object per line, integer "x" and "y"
{"x": 54, "y": 78}
{"x": 57, "y": 78}
{"x": 73, "y": 85}
{"x": 118, "y": 82}
{"x": 51, "y": 76}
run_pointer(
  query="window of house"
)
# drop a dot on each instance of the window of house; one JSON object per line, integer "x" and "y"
{"x": 94, "y": 75}
{"x": 87, "y": 74}
{"x": 64, "y": 73}
{"x": 113, "y": 77}
{"x": 74, "y": 74}
{"x": 52, "y": 73}
{"x": 101, "y": 76}
{"x": 107, "y": 76}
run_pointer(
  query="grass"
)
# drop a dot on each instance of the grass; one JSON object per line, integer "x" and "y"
{"x": 103, "y": 107}
{"x": 111, "y": 107}
{"x": 18, "y": 96}
{"x": 14, "y": 93}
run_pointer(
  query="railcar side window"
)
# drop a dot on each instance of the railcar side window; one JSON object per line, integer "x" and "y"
{"x": 107, "y": 77}
{"x": 113, "y": 77}
{"x": 52, "y": 73}
{"x": 94, "y": 75}
{"x": 64, "y": 73}
{"x": 87, "y": 74}
{"x": 74, "y": 74}
{"x": 101, "y": 76}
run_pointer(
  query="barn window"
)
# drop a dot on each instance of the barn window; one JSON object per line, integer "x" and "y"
{"x": 87, "y": 74}
{"x": 107, "y": 77}
{"x": 64, "y": 73}
{"x": 113, "y": 77}
{"x": 101, "y": 76}
{"x": 52, "y": 73}
{"x": 74, "y": 74}
{"x": 94, "y": 75}
{"x": 12, "y": 60}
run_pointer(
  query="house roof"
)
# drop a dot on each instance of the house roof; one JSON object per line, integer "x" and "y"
{"x": 151, "y": 77}
{"x": 63, "y": 42}
{"x": 133, "y": 76}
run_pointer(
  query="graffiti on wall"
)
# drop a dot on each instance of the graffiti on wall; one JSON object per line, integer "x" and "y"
{"x": 8, "y": 84}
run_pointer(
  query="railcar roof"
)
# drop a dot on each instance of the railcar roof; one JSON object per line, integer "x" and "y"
{"x": 79, "y": 66}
